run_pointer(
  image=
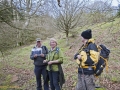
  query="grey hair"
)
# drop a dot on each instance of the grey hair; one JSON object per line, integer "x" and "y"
{"x": 53, "y": 39}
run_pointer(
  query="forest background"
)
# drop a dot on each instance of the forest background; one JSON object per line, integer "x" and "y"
{"x": 22, "y": 21}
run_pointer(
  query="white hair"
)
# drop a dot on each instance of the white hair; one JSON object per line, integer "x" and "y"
{"x": 53, "y": 39}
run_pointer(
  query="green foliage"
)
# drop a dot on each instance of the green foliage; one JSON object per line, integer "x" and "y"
{"x": 8, "y": 79}
{"x": 100, "y": 89}
{"x": 6, "y": 14}
{"x": 118, "y": 14}
{"x": 22, "y": 56}
{"x": 19, "y": 57}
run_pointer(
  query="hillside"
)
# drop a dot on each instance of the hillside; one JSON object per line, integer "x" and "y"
{"x": 17, "y": 69}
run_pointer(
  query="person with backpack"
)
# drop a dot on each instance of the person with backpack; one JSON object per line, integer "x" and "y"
{"x": 38, "y": 54}
{"x": 86, "y": 58}
{"x": 54, "y": 60}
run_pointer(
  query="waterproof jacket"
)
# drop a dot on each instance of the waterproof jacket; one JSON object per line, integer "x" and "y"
{"x": 89, "y": 57}
{"x": 38, "y": 61}
{"x": 54, "y": 55}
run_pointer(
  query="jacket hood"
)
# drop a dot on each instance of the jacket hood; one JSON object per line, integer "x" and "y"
{"x": 91, "y": 40}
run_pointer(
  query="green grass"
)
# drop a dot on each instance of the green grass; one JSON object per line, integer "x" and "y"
{"x": 100, "y": 89}
{"x": 19, "y": 58}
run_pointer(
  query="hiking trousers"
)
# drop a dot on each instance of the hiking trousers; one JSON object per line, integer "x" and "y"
{"x": 54, "y": 80}
{"x": 85, "y": 82}
{"x": 41, "y": 70}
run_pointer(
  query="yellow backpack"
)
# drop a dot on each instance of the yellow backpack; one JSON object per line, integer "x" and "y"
{"x": 99, "y": 59}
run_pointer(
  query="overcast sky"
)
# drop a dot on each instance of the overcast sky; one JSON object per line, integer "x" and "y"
{"x": 115, "y": 2}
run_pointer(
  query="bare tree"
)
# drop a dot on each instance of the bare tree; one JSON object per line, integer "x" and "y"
{"x": 68, "y": 15}
{"x": 26, "y": 8}
{"x": 20, "y": 15}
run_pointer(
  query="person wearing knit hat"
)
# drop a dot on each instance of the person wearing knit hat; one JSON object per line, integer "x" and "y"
{"x": 86, "y": 57}
{"x": 87, "y": 34}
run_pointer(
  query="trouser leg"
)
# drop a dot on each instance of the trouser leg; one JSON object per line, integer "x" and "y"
{"x": 38, "y": 72}
{"x": 85, "y": 82}
{"x": 56, "y": 80}
{"x": 45, "y": 78}
{"x": 51, "y": 80}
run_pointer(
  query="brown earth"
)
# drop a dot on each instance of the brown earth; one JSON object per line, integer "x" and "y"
{"x": 22, "y": 77}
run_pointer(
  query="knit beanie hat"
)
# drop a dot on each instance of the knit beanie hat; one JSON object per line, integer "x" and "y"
{"x": 87, "y": 34}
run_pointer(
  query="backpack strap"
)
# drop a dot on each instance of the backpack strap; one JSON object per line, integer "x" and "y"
{"x": 106, "y": 62}
{"x": 56, "y": 52}
{"x": 44, "y": 47}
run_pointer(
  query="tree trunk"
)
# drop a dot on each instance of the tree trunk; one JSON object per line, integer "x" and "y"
{"x": 67, "y": 38}
{"x": 27, "y": 15}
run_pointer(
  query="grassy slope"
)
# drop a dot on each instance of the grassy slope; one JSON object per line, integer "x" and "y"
{"x": 17, "y": 68}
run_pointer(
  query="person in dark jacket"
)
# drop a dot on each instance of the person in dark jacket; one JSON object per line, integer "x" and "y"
{"x": 86, "y": 58}
{"x": 38, "y": 54}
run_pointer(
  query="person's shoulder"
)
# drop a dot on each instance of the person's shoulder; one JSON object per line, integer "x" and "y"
{"x": 58, "y": 49}
{"x": 44, "y": 46}
{"x": 33, "y": 48}
{"x": 92, "y": 45}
